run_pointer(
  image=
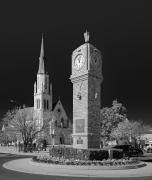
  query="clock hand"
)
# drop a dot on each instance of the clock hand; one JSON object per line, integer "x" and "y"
{"x": 81, "y": 85}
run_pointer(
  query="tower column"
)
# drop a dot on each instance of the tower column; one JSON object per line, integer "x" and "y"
{"x": 86, "y": 78}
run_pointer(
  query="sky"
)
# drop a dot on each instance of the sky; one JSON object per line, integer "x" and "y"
{"x": 121, "y": 30}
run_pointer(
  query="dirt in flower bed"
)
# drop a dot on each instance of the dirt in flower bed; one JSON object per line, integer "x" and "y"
{"x": 105, "y": 162}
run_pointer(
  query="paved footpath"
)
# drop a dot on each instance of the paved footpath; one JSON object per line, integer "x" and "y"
{"x": 13, "y": 150}
{"x": 26, "y": 165}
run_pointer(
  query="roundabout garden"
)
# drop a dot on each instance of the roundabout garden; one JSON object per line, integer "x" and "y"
{"x": 88, "y": 157}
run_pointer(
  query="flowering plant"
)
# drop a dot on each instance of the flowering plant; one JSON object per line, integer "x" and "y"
{"x": 72, "y": 161}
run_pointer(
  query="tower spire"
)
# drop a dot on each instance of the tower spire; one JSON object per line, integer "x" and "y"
{"x": 41, "y": 58}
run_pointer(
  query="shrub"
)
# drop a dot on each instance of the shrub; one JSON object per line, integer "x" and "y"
{"x": 117, "y": 154}
{"x": 83, "y": 154}
{"x": 78, "y": 154}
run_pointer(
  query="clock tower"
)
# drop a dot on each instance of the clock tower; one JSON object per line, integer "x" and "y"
{"x": 86, "y": 78}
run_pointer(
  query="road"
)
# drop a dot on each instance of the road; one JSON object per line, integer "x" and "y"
{"x": 12, "y": 175}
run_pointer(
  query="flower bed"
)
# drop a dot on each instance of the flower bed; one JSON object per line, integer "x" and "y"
{"x": 105, "y": 162}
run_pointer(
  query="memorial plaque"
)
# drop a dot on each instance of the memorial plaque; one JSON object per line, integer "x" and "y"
{"x": 79, "y": 126}
{"x": 79, "y": 141}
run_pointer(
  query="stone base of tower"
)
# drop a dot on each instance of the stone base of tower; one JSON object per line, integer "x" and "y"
{"x": 86, "y": 142}
{"x": 80, "y": 141}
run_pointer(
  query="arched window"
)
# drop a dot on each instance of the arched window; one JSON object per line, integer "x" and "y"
{"x": 38, "y": 103}
{"x": 62, "y": 140}
{"x": 44, "y": 104}
{"x": 47, "y": 105}
{"x": 46, "y": 83}
{"x": 62, "y": 122}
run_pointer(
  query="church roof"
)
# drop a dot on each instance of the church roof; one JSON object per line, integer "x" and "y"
{"x": 54, "y": 105}
{"x": 41, "y": 59}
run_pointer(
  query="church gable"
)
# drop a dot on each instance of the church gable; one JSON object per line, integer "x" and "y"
{"x": 61, "y": 116}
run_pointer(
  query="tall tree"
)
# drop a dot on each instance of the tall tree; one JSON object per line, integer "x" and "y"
{"x": 128, "y": 132}
{"x": 110, "y": 117}
{"x": 22, "y": 122}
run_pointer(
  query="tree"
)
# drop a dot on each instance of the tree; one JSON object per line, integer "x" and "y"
{"x": 6, "y": 136}
{"x": 127, "y": 132}
{"x": 109, "y": 118}
{"x": 22, "y": 122}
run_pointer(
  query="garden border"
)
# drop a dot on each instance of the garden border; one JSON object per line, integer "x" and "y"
{"x": 93, "y": 167}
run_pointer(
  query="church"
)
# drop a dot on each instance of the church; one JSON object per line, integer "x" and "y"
{"x": 59, "y": 124}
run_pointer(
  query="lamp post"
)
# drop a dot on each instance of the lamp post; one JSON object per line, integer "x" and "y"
{"x": 52, "y": 131}
{"x": 53, "y": 134}
{"x": 130, "y": 137}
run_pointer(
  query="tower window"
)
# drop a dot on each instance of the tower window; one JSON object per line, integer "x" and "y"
{"x": 45, "y": 83}
{"x": 38, "y": 103}
{"x": 62, "y": 123}
{"x": 47, "y": 105}
{"x": 44, "y": 104}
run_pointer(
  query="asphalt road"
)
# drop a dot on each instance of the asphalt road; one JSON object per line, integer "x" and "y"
{"x": 12, "y": 175}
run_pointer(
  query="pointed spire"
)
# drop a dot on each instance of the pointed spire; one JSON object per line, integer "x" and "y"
{"x": 86, "y": 36}
{"x": 41, "y": 59}
{"x": 42, "y": 48}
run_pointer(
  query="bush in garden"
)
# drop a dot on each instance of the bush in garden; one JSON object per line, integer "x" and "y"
{"x": 117, "y": 154}
{"x": 82, "y": 154}
{"x": 79, "y": 154}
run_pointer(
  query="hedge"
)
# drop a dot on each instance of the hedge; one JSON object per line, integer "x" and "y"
{"x": 82, "y": 154}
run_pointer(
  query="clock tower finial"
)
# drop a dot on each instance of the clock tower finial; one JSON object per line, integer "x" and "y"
{"x": 86, "y": 36}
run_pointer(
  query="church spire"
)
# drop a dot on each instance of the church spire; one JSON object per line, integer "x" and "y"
{"x": 41, "y": 59}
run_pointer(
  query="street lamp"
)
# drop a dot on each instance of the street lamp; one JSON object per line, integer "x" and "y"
{"x": 52, "y": 130}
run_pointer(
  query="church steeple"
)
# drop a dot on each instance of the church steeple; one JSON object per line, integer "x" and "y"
{"x": 41, "y": 59}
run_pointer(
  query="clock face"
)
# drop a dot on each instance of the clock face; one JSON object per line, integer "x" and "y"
{"x": 79, "y": 61}
{"x": 95, "y": 59}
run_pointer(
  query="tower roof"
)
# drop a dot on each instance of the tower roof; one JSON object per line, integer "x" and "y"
{"x": 41, "y": 59}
